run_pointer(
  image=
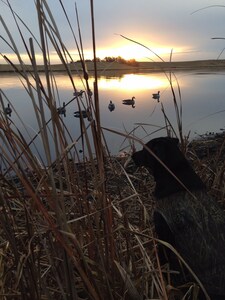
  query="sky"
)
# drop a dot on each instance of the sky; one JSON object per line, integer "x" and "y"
{"x": 184, "y": 27}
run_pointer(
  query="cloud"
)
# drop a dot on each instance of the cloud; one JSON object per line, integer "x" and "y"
{"x": 156, "y": 24}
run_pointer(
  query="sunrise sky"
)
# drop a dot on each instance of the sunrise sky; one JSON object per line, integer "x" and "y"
{"x": 160, "y": 25}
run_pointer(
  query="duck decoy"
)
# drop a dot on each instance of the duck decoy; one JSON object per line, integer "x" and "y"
{"x": 111, "y": 106}
{"x": 129, "y": 102}
{"x": 78, "y": 94}
{"x": 62, "y": 110}
{"x": 156, "y": 96}
{"x": 8, "y": 110}
{"x": 82, "y": 113}
{"x": 85, "y": 114}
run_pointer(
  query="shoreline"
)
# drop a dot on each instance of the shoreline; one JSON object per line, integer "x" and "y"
{"x": 210, "y": 65}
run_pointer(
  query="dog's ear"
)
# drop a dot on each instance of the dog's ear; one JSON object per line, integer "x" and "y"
{"x": 170, "y": 153}
{"x": 175, "y": 157}
{"x": 158, "y": 148}
{"x": 166, "y": 149}
{"x": 162, "y": 146}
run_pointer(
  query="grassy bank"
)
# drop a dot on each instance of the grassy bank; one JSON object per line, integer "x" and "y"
{"x": 123, "y": 67}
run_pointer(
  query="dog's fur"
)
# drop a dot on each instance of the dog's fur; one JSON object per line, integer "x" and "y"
{"x": 185, "y": 216}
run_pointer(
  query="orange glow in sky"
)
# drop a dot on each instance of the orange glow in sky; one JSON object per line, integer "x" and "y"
{"x": 127, "y": 52}
{"x": 133, "y": 51}
{"x": 139, "y": 53}
{"x": 126, "y": 49}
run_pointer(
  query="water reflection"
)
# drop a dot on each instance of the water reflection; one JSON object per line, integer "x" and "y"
{"x": 134, "y": 82}
{"x": 203, "y": 94}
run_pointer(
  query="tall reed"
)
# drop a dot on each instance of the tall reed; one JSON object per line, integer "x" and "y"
{"x": 72, "y": 227}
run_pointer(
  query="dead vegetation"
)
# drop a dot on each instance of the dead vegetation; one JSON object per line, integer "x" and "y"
{"x": 73, "y": 226}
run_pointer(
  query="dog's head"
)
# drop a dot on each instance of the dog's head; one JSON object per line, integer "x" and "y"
{"x": 165, "y": 148}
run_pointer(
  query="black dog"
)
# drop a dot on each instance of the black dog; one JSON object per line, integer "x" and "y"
{"x": 186, "y": 216}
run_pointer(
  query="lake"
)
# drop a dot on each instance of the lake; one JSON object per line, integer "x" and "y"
{"x": 202, "y": 95}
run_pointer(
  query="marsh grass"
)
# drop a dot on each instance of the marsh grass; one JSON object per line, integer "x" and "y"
{"x": 73, "y": 226}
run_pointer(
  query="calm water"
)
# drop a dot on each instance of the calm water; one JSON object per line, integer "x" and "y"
{"x": 203, "y": 103}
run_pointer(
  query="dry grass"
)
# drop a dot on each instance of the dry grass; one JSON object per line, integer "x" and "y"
{"x": 73, "y": 227}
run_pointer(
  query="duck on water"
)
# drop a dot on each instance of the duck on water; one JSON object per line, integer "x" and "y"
{"x": 8, "y": 110}
{"x": 111, "y": 106}
{"x": 62, "y": 110}
{"x": 129, "y": 102}
{"x": 156, "y": 96}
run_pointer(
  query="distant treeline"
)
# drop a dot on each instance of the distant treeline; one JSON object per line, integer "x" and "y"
{"x": 111, "y": 59}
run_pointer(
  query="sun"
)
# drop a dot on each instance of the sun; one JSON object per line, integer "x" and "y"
{"x": 127, "y": 52}
{"x": 139, "y": 53}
